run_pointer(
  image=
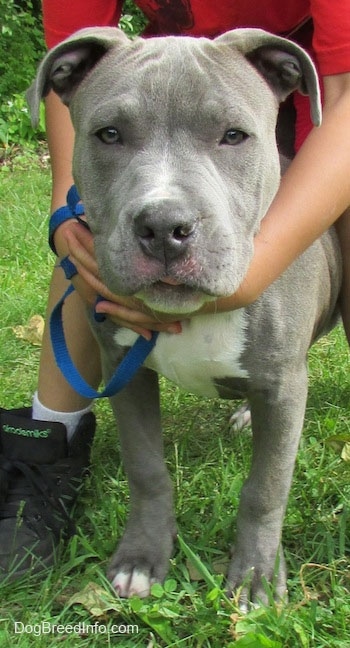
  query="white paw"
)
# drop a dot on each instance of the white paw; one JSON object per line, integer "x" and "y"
{"x": 240, "y": 419}
{"x": 134, "y": 583}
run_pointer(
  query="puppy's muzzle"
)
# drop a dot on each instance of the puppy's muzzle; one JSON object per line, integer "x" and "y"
{"x": 165, "y": 230}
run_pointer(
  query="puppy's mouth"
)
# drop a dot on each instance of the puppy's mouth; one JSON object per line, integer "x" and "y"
{"x": 170, "y": 295}
{"x": 171, "y": 281}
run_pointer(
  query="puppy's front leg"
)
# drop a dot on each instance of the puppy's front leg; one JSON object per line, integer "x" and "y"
{"x": 277, "y": 420}
{"x": 143, "y": 553}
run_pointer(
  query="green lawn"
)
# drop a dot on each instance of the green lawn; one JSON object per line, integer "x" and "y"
{"x": 208, "y": 464}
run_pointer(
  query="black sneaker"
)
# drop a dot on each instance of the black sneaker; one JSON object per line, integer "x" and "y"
{"x": 41, "y": 475}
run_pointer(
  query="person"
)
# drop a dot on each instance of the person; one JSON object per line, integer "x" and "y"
{"x": 50, "y": 441}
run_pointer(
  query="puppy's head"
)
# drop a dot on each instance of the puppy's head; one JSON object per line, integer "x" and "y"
{"x": 175, "y": 154}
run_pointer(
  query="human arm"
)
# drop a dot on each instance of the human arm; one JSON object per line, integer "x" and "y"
{"x": 60, "y": 135}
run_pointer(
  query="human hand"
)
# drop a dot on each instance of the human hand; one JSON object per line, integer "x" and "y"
{"x": 128, "y": 312}
{"x": 61, "y": 236}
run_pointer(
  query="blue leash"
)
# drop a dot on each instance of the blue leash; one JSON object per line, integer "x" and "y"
{"x": 131, "y": 362}
{"x": 73, "y": 209}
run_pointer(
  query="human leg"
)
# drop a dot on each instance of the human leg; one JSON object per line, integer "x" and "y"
{"x": 45, "y": 450}
{"x": 343, "y": 230}
{"x": 53, "y": 390}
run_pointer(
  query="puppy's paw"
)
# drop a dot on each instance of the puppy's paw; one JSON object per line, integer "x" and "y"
{"x": 140, "y": 561}
{"x": 257, "y": 584}
{"x": 133, "y": 583}
{"x": 240, "y": 419}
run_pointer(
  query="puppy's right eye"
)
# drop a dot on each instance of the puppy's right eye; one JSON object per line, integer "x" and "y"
{"x": 234, "y": 136}
{"x": 109, "y": 135}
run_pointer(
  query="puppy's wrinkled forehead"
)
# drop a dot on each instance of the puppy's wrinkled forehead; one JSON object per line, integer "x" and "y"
{"x": 176, "y": 75}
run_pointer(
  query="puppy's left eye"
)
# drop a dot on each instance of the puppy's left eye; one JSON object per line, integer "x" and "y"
{"x": 109, "y": 135}
{"x": 234, "y": 136}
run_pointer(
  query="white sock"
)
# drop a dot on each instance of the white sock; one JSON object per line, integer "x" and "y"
{"x": 69, "y": 419}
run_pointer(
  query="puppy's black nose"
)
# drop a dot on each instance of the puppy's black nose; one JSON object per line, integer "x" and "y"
{"x": 165, "y": 230}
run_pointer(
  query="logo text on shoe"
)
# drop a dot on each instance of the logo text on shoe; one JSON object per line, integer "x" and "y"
{"x": 36, "y": 434}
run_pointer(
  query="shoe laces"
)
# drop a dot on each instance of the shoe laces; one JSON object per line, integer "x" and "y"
{"x": 33, "y": 486}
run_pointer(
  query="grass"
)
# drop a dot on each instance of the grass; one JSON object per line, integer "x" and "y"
{"x": 208, "y": 465}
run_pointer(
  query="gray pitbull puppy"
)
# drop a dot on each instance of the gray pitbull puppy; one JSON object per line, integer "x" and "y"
{"x": 177, "y": 163}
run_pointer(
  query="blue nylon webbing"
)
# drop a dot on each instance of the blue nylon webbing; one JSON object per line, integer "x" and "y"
{"x": 124, "y": 373}
{"x": 134, "y": 358}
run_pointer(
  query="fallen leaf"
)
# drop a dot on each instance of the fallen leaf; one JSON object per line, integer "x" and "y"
{"x": 96, "y": 600}
{"x": 345, "y": 453}
{"x": 31, "y": 332}
{"x": 219, "y": 566}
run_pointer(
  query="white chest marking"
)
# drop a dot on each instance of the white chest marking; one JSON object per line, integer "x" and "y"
{"x": 210, "y": 346}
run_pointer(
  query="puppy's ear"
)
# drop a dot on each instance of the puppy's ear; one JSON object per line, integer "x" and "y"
{"x": 66, "y": 65}
{"x": 284, "y": 65}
